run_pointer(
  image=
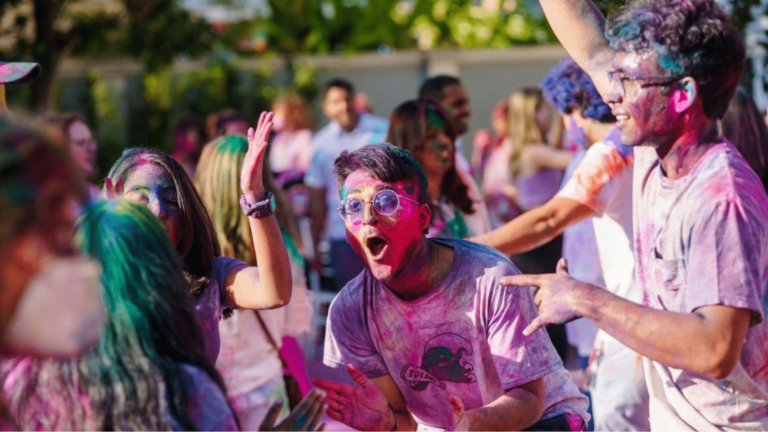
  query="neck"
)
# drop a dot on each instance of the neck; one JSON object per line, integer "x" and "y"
{"x": 425, "y": 271}
{"x": 597, "y": 132}
{"x": 688, "y": 148}
{"x": 353, "y": 123}
{"x": 434, "y": 184}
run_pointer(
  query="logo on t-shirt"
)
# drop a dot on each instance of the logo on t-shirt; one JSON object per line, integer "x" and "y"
{"x": 443, "y": 360}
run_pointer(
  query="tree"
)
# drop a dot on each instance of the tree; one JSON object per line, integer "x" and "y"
{"x": 155, "y": 31}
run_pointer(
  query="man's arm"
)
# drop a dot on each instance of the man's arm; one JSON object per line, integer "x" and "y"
{"x": 517, "y": 409}
{"x": 536, "y": 227}
{"x": 579, "y": 25}
{"x": 707, "y": 341}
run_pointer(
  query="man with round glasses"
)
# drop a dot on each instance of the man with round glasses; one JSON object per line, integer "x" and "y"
{"x": 426, "y": 331}
{"x": 668, "y": 69}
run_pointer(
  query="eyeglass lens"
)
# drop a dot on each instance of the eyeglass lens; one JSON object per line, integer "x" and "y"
{"x": 384, "y": 202}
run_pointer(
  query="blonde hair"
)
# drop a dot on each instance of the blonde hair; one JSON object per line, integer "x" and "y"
{"x": 523, "y": 128}
{"x": 218, "y": 180}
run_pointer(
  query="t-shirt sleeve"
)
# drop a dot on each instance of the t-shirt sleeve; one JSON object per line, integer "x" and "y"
{"x": 518, "y": 359}
{"x": 726, "y": 258}
{"x": 207, "y": 406}
{"x": 221, "y": 268}
{"x": 595, "y": 179}
{"x": 348, "y": 340}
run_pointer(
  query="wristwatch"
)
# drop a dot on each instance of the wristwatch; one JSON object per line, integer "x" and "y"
{"x": 260, "y": 209}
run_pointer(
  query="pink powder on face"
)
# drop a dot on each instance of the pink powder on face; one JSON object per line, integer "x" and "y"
{"x": 401, "y": 231}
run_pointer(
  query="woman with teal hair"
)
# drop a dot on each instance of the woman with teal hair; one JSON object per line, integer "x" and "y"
{"x": 249, "y": 362}
{"x": 149, "y": 370}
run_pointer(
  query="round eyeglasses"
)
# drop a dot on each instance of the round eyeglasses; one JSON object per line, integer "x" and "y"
{"x": 385, "y": 202}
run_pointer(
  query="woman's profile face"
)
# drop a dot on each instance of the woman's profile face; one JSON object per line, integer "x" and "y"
{"x": 436, "y": 155}
{"x": 153, "y": 186}
{"x": 83, "y": 147}
{"x": 544, "y": 118}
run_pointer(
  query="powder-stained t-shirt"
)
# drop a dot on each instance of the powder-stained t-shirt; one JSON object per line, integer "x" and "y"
{"x": 210, "y": 304}
{"x": 207, "y": 405}
{"x": 464, "y": 338}
{"x": 702, "y": 240}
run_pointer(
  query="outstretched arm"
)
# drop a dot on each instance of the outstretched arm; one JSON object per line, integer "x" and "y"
{"x": 707, "y": 341}
{"x": 579, "y": 25}
{"x": 269, "y": 285}
{"x": 536, "y": 227}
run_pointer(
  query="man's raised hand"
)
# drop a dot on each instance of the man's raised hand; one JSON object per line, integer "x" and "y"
{"x": 361, "y": 406}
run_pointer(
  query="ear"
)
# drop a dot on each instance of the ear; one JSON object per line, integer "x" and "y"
{"x": 425, "y": 216}
{"x": 685, "y": 94}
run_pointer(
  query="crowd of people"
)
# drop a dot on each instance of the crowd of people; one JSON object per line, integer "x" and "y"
{"x": 619, "y": 208}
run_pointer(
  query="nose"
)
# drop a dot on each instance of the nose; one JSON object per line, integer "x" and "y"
{"x": 615, "y": 94}
{"x": 157, "y": 209}
{"x": 369, "y": 214}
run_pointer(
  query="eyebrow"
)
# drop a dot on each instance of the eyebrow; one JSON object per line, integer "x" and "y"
{"x": 163, "y": 186}
{"x": 377, "y": 188}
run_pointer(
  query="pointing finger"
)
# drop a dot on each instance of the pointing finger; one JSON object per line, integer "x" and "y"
{"x": 522, "y": 280}
{"x": 533, "y": 326}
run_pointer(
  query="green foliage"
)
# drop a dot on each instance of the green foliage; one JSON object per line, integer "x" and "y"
{"x": 325, "y": 26}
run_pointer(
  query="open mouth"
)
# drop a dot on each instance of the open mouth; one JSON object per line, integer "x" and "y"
{"x": 376, "y": 246}
{"x": 622, "y": 117}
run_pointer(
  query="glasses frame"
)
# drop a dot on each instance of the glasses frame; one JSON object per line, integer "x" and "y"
{"x": 615, "y": 78}
{"x": 341, "y": 204}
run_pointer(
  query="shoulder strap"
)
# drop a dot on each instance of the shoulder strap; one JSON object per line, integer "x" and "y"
{"x": 271, "y": 340}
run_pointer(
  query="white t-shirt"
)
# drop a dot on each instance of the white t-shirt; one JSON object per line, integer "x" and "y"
{"x": 463, "y": 338}
{"x": 702, "y": 240}
{"x": 328, "y": 144}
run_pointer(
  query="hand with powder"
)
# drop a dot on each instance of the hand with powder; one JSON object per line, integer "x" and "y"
{"x": 555, "y": 297}
{"x": 458, "y": 416}
{"x": 251, "y": 177}
{"x": 112, "y": 190}
{"x": 303, "y": 418}
{"x": 361, "y": 406}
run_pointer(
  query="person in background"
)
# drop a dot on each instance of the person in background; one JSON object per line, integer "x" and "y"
{"x": 363, "y": 103}
{"x": 188, "y": 142}
{"x": 82, "y": 144}
{"x": 50, "y": 301}
{"x": 450, "y": 94}
{"x": 250, "y": 364}
{"x": 149, "y": 371}
{"x": 600, "y": 189}
{"x": 290, "y": 151}
{"x": 230, "y": 122}
{"x": 217, "y": 282}
{"x": 743, "y": 126}
{"x": 347, "y": 130}
{"x": 427, "y": 132}
{"x": 498, "y": 189}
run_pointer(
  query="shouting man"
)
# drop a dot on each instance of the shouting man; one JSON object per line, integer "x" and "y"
{"x": 668, "y": 70}
{"x": 427, "y": 332}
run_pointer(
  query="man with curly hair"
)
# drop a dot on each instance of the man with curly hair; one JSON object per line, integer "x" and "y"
{"x": 668, "y": 69}
{"x": 600, "y": 188}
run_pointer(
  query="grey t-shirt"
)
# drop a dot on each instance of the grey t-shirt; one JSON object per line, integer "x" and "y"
{"x": 464, "y": 338}
{"x": 702, "y": 240}
{"x": 210, "y": 304}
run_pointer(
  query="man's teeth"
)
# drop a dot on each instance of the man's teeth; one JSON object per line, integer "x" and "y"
{"x": 622, "y": 117}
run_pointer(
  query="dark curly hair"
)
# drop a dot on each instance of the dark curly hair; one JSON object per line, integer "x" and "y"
{"x": 567, "y": 87}
{"x": 688, "y": 38}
